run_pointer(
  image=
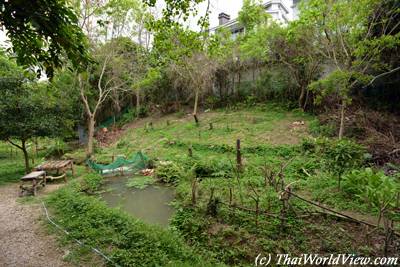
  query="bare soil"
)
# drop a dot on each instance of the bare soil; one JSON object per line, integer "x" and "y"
{"x": 23, "y": 239}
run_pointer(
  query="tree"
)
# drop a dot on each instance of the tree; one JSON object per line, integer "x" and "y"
{"x": 27, "y": 109}
{"x": 252, "y": 15}
{"x": 99, "y": 82}
{"x": 289, "y": 47}
{"x": 42, "y": 32}
{"x": 346, "y": 37}
{"x": 196, "y": 73}
{"x": 109, "y": 26}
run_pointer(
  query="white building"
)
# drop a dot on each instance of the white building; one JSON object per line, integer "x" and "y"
{"x": 282, "y": 11}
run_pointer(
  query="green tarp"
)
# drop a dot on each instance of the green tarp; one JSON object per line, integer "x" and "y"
{"x": 135, "y": 163}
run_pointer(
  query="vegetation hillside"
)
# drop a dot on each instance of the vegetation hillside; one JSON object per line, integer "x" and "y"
{"x": 282, "y": 138}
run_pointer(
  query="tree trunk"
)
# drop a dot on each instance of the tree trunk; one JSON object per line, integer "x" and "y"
{"x": 26, "y": 157}
{"x": 91, "y": 124}
{"x": 137, "y": 102}
{"x": 342, "y": 113}
{"x": 301, "y": 97}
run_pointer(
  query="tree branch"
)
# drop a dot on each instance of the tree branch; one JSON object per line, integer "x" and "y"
{"x": 381, "y": 75}
{"x": 14, "y": 144}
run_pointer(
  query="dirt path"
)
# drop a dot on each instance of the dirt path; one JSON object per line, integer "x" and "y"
{"x": 23, "y": 241}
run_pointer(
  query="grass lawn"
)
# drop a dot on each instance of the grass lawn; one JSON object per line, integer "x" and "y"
{"x": 12, "y": 164}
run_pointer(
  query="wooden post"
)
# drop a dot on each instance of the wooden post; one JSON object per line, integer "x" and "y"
{"x": 230, "y": 196}
{"x": 36, "y": 147}
{"x": 190, "y": 150}
{"x": 194, "y": 188}
{"x": 34, "y": 184}
{"x": 238, "y": 155}
{"x": 72, "y": 170}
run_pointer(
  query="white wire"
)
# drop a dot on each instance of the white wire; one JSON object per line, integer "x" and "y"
{"x": 76, "y": 240}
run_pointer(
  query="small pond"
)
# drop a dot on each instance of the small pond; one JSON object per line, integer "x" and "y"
{"x": 150, "y": 204}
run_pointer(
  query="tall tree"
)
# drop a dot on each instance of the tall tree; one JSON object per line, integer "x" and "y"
{"x": 346, "y": 39}
{"x": 109, "y": 25}
{"x": 27, "y": 109}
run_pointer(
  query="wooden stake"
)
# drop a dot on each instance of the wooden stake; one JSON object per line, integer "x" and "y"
{"x": 196, "y": 119}
{"x": 238, "y": 155}
{"x": 230, "y": 196}
{"x": 194, "y": 187}
{"x": 190, "y": 150}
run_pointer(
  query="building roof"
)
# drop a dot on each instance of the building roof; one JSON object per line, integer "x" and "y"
{"x": 233, "y": 24}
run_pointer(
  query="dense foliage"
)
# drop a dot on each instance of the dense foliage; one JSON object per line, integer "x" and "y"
{"x": 28, "y": 109}
{"x": 42, "y": 32}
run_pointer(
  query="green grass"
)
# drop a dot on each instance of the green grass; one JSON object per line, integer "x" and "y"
{"x": 127, "y": 241}
{"x": 12, "y": 164}
{"x": 269, "y": 139}
{"x": 12, "y": 160}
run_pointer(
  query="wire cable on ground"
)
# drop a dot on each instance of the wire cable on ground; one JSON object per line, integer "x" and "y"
{"x": 95, "y": 250}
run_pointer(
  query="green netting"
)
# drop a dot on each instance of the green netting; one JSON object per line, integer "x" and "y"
{"x": 113, "y": 119}
{"x": 135, "y": 163}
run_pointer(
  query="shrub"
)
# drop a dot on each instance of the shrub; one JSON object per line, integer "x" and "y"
{"x": 170, "y": 172}
{"x": 57, "y": 149}
{"x": 213, "y": 168}
{"x": 371, "y": 186}
{"x": 324, "y": 130}
{"x": 341, "y": 155}
{"x": 132, "y": 115}
{"x": 91, "y": 182}
{"x": 338, "y": 155}
{"x": 308, "y": 145}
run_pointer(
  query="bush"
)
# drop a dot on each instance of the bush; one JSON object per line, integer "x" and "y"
{"x": 341, "y": 155}
{"x": 338, "y": 156}
{"x": 371, "y": 186}
{"x": 323, "y": 130}
{"x": 213, "y": 168}
{"x": 57, "y": 149}
{"x": 91, "y": 182}
{"x": 170, "y": 172}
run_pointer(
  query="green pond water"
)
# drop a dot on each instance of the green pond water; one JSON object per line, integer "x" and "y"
{"x": 150, "y": 204}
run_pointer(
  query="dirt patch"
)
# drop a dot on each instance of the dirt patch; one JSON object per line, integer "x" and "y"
{"x": 23, "y": 241}
{"x": 339, "y": 235}
{"x": 286, "y": 132}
